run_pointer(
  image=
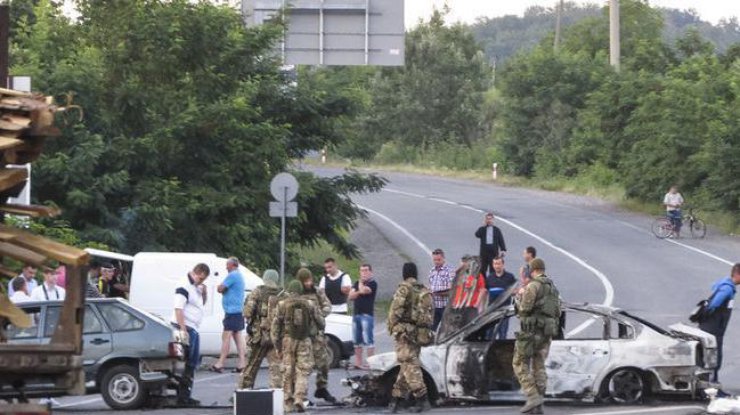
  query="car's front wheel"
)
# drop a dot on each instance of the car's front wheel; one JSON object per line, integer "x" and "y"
{"x": 626, "y": 386}
{"x": 122, "y": 389}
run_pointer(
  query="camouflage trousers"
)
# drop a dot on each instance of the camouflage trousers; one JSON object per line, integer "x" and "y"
{"x": 410, "y": 379}
{"x": 297, "y": 365}
{"x": 321, "y": 359}
{"x": 258, "y": 352}
{"x": 530, "y": 353}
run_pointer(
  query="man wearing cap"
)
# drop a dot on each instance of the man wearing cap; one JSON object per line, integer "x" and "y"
{"x": 318, "y": 298}
{"x": 538, "y": 309}
{"x": 48, "y": 290}
{"x": 256, "y": 313}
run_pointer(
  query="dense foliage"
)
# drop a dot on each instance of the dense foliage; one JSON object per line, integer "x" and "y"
{"x": 505, "y": 36}
{"x": 187, "y": 118}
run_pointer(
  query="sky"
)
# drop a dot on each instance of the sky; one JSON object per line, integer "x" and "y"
{"x": 468, "y": 10}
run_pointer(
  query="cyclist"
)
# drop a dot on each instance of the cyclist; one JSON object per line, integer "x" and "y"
{"x": 673, "y": 202}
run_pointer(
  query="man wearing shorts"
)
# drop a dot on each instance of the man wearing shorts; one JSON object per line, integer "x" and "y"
{"x": 232, "y": 289}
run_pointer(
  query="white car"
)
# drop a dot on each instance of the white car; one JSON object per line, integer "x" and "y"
{"x": 604, "y": 354}
{"x": 153, "y": 277}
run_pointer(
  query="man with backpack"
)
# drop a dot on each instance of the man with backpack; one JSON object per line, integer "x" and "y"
{"x": 538, "y": 310}
{"x": 410, "y": 323}
{"x": 318, "y": 298}
{"x": 256, "y": 313}
{"x": 295, "y": 323}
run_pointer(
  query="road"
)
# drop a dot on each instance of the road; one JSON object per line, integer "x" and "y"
{"x": 595, "y": 252}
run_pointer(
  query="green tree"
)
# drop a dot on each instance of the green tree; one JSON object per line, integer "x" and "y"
{"x": 187, "y": 118}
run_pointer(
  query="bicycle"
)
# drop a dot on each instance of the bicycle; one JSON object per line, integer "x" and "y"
{"x": 663, "y": 226}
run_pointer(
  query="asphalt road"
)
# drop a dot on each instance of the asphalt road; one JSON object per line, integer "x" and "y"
{"x": 595, "y": 252}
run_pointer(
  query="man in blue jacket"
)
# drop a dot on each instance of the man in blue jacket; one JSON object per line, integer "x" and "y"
{"x": 719, "y": 310}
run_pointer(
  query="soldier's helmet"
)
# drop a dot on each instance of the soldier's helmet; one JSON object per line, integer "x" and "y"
{"x": 295, "y": 287}
{"x": 537, "y": 264}
{"x": 303, "y": 275}
{"x": 270, "y": 277}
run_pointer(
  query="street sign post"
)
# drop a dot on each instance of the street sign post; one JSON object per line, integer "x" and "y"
{"x": 284, "y": 188}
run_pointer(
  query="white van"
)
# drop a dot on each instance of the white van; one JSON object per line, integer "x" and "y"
{"x": 154, "y": 276}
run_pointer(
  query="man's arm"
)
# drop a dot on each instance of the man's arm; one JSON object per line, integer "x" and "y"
{"x": 395, "y": 312}
{"x": 346, "y": 284}
{"x": 324, "y": 303}
{"x": 481, "y": 232}
{"x": 276, "y": 330}
{"x": 249, "y": 305}
{"x": 354, "y": 293}
{"x": 723, "y": 294}
{"x": 225, "y": 284}
{"x": 528, "y": 298}
{"x": 501, "y": 242}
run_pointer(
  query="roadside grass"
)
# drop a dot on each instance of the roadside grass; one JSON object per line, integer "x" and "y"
{"x": 613, "y": 193}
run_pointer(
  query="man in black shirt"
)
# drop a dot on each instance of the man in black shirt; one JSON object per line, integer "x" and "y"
{"x": 363, "y": 294}
{"x": 111, "y": 284}
{"x": 492, "y": 243}
{"x": 497, "y": 283}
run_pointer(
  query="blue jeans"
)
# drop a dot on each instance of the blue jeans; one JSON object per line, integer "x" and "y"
{"x": 363, "y": 326}
{"x": 193, "y": 351}
{"x": 675, "y": 217}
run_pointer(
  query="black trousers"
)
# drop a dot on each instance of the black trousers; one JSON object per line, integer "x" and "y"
{"x": 486, "y": 262}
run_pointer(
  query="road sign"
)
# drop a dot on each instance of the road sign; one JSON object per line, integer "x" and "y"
{"x": 278, "y": 209}
{"x": 284, "y": 187}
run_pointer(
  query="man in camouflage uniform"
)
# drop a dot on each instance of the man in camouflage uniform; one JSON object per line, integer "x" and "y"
{"x": 538, "y": 309}
{"x": 318, "y": 298}
{"x": 291, "y": 335}
{"x": 410, "y": 322}
{"x": 256, "y": 313}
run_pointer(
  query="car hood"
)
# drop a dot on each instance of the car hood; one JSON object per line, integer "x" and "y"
{"x": 382, "y": 362}
{"x": 681, "y": 330}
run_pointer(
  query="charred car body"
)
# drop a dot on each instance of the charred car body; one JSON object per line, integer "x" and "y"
{"x": 603, "y": 354}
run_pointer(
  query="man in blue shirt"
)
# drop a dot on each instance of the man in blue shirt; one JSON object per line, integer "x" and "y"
{"x": 232, "y": 290}
{"x": 719, "y": 310}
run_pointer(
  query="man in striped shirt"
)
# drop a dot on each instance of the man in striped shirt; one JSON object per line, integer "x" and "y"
{"x": 440, "y": 282}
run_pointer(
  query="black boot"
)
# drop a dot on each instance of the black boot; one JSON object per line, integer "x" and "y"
{"x": 185, "y": 388}
{"x": 394, "y": 405}
{"x": 324, "y": 394}
{"x": 421, "y": 404}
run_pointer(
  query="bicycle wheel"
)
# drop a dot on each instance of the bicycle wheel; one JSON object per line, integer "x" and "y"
{"x": 698, "y": 228}
{"x": 662, "y": 227}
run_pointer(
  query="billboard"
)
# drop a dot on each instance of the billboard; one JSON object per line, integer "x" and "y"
{"x": 336, "y": 32}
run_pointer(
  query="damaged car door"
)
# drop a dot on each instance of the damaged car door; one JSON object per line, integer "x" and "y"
{"x": 575, "y": 362}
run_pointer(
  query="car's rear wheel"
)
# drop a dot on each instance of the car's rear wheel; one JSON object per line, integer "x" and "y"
{"x": 122, "y": 389}
{"x": 626, "y": 386}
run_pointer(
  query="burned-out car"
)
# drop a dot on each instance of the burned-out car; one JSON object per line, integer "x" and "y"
{"x": 603, "y": 354}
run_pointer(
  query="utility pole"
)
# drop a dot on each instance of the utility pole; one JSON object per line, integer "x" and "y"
{"x": 614, "y": 43}
{"x": 558, "y": 23}
{"x": 4, "y": 43}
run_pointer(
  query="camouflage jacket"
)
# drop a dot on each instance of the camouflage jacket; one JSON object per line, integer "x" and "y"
{"x": 317, "y": 297}
{"x": 278, "y": 330}
{"x": 400, "y": 319}
{"x": 256, "y": 312}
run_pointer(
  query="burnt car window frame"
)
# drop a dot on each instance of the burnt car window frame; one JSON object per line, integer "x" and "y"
{"x": 590, "y": 315}
{"x": 631, "y": 330}
{"x": 116, "y": 329}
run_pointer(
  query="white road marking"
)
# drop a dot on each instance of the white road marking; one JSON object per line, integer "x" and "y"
{"x": 644, "y": 411}
{"x": 100, "y": 398}
{"x": 700, "y": 251}
{"x": 400, "y": 228}
{"x": 683, "y": 245}
{"x": 608, "y": 287}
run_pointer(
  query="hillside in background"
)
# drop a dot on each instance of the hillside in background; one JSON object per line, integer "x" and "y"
{"x": 502, "y": 37}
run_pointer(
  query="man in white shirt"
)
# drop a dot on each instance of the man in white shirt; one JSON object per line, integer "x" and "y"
{"x": 190, "y": 300}
{"x": 673, "y": 202}
{"x": 29, "y": 273}
{"x": 20, "y": 290}
{"x": 337, "y": 285}
{"x": 48, "y": 290}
